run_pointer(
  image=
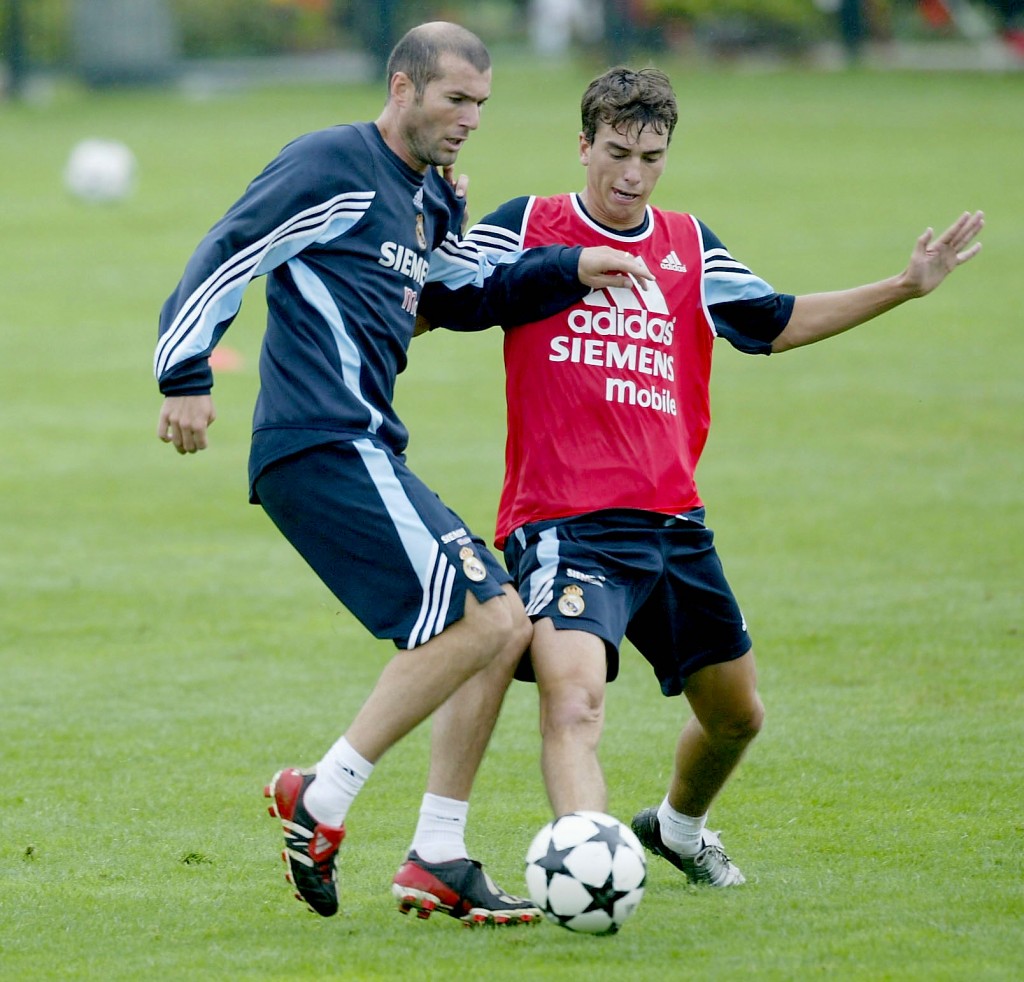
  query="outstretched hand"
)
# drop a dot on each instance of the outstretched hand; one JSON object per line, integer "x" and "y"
{"x": 934, "y": 259}
{"x": 603, "y": 266}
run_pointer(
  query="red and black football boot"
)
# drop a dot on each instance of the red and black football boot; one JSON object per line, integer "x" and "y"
{"x": 461, "y": 889}
{"x": 310, "y": 847}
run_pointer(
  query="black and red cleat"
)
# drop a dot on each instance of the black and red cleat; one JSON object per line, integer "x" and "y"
{"x": 461, "y": 889}
{"x": 310, "y": 847}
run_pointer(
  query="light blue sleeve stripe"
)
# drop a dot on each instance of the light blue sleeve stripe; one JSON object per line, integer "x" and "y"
{"x": 456, "y": 273}
{"x": 223, "y": 307}
{"x": 494, "y": 238}
{"x": 284, "y": 249}
{"x": 193, "y": 335}
{"x": 726, "y": 287}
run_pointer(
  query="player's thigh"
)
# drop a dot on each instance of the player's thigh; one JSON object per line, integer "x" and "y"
{"x": 386, "y": 545}
{"x": 575, "y": 588}
{"x": 691, "y": 618}
{"x": 571, "y": 669}
{"x": 566, "y": 660}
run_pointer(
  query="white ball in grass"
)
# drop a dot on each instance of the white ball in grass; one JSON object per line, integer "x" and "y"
{"x": 100, "y": 171}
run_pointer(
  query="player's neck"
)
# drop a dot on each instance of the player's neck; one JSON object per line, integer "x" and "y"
{"x": 622, "y": 227}
{"x": 389, "y": 133}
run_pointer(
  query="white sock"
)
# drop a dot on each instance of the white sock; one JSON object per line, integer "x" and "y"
{"x": 441, "y": 830}
{"x": 339, "y": 778}
{"x": 681, "y": 833}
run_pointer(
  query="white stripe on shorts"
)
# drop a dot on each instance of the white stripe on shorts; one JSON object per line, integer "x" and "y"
{"x": 436, "y": 598}
{"x": 436, "y": 574}
{"x": 542, "y": 579}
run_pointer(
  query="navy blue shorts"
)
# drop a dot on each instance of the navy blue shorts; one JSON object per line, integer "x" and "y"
{"x": 384, "y": 544}
{"x": 654, "y": 579}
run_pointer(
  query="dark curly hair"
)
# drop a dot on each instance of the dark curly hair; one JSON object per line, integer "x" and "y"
{"x": 625, "y": 98}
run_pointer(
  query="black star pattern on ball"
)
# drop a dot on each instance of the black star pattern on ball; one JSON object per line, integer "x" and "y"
{"x": 609, "y": 835}
{"x": 553, "y": 861}
{"x": 604, "y": 897}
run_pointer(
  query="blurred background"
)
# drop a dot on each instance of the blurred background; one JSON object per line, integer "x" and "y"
{"x": 117, "y": 42}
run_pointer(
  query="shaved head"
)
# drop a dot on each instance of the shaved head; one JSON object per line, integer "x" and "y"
{"x": 418, "y": 53}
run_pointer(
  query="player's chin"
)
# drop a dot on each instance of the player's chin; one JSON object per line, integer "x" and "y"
{"x": 445, "y": 158}
{"x": 447, "y": 152}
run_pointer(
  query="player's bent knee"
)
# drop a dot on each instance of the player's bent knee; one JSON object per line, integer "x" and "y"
{"x": 571, "y": 709}
{"x": 586, "y": 722}
{"x": 754, "y": 722}
{"x": 741, "y": 725}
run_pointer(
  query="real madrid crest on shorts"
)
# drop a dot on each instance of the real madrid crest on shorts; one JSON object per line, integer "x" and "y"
{"x": 421, "y": 235}
{"x": 471, "y": 565}
{"x": 571, "y": 603}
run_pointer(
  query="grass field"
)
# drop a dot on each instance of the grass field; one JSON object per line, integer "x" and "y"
{"x": 163, "y": 651}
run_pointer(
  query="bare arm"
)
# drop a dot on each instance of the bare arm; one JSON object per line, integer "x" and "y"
{"x": 817, "y": 316}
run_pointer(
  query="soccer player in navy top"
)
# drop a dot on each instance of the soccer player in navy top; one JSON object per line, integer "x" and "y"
{"x": 608, "y": 412}
{"x": 353, "y": 226}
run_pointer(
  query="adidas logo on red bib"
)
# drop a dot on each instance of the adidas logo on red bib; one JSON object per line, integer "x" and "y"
{"x": 671, "y": 262}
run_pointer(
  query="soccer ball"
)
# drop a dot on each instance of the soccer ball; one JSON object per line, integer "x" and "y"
{"x": 586, "y": 871}
{"x": 100, "y": 171}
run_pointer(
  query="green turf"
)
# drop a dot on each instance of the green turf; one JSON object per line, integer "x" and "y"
{"x": 163, "y": 651}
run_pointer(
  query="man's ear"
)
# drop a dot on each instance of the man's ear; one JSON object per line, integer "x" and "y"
{"x": 584, "y": 150}
{"x": 401, "y": 90}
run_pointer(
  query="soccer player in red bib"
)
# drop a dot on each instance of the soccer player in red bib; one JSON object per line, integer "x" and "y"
{"x": 608, "y": 412}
